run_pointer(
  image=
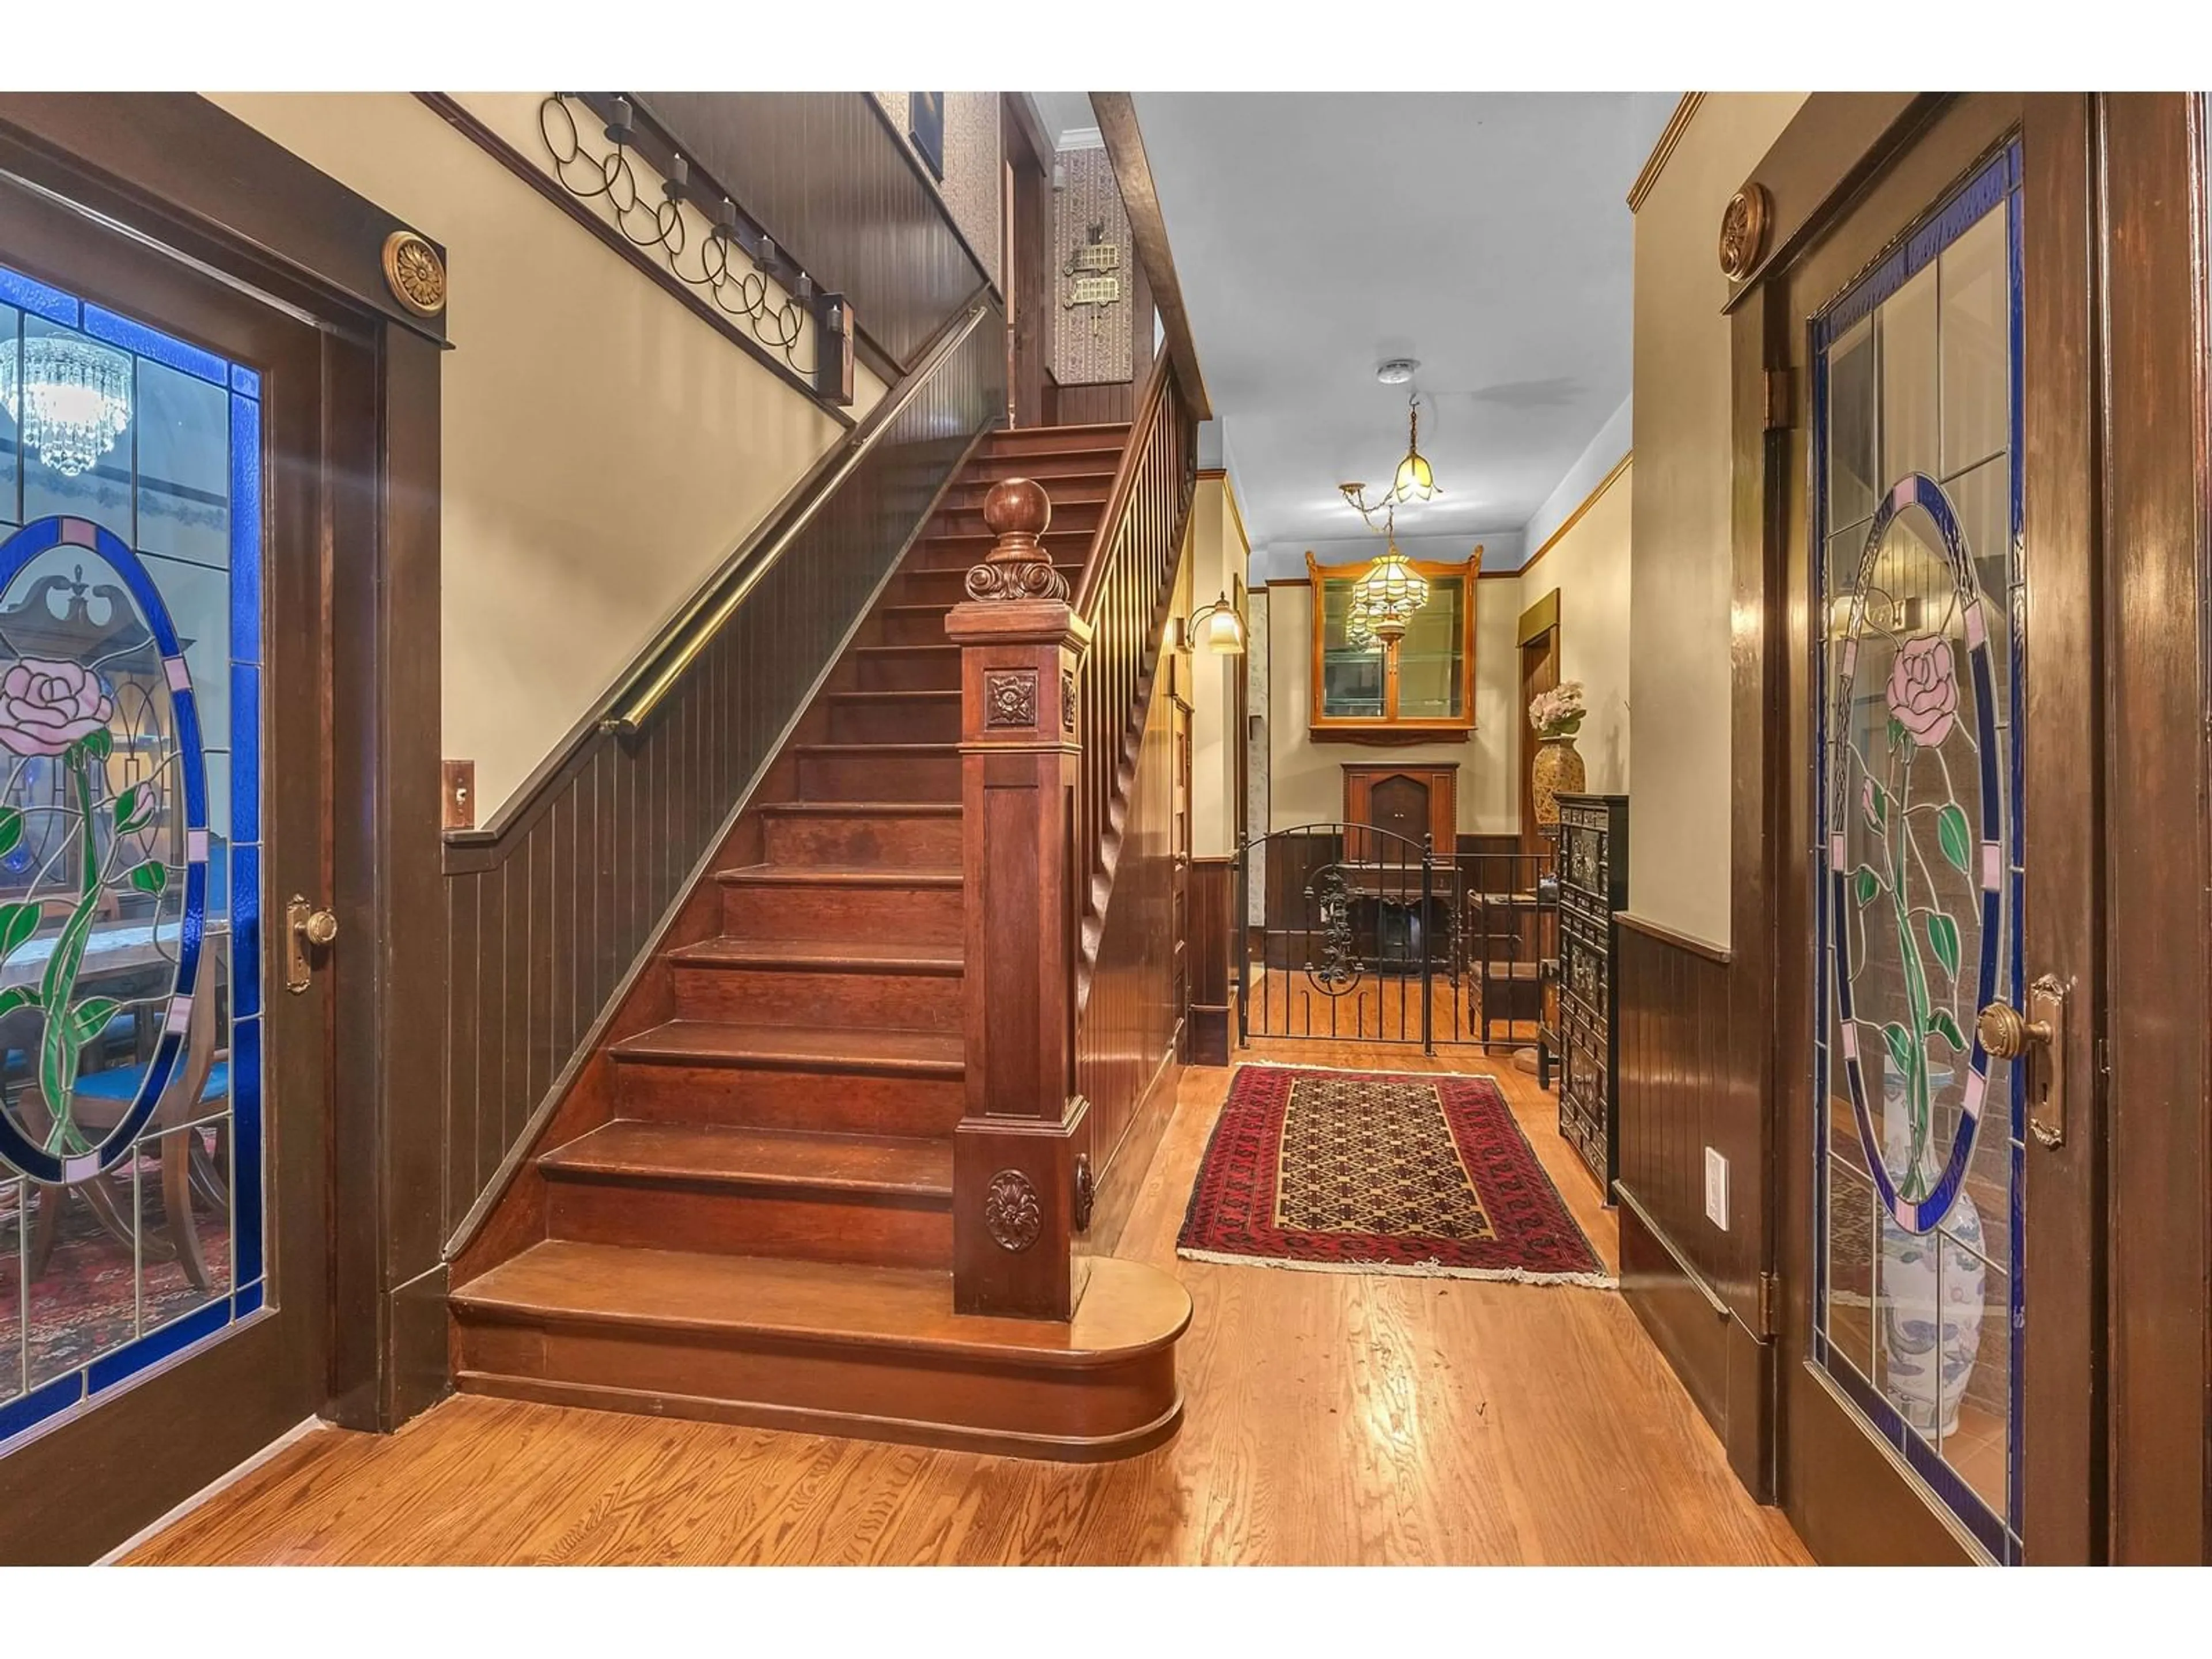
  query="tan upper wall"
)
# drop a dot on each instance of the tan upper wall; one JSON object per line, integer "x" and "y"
{"x": 1587, "y": 564}
{"x": 604, "y": 449}
{"x": 1678, "y": 833}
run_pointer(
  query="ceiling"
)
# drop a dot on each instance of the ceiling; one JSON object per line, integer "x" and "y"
{"x": 1486, "y": 234}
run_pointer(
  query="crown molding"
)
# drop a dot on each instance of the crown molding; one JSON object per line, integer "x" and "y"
{"x": 1656, "y": 163}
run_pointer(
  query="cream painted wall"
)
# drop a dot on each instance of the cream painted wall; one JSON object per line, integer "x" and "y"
{"x": 1219, "y": 556}
{"x": 1306, "y": 778}
{"x": 1678, "y": 827}
{"x": 604, "y": 450}
{"x": 1588, "y": 566}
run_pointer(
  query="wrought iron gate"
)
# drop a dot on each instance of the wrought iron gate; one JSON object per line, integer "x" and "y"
{"x": 1363, "y": 935}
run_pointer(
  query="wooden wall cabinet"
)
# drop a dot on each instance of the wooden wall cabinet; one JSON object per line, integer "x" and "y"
{"x": 1412, "y": 801}
{"x": 1421, "y": 690}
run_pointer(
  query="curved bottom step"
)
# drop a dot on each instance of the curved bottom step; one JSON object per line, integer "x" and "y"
{"x": 870, "y": 1352}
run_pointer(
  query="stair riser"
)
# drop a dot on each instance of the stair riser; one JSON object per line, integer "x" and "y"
{"x": 720, "y": 1378}
{"x": 935, "y": 720}
{"x": 830, "y": 1102}
{"x": 923, "y": 914}
{"x": 879, "y": 777}
{"x": 968, "y": 521}
{"x": 1052, "y": 440}
{"x": 867, "y": 1229}
{"x": 904, "y": 627}
{"x": 782, "y": 996}
{"x": 863, "y": 840}
{"x": 1089, "y": 467}
{"x": 1069, "y": 493}
{"x": 909, "y": 671}
{"x": 1063, "y": 547}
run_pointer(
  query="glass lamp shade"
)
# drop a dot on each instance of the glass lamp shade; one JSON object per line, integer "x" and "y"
{"x": 1358, "y": 631}
{"x": 1390, "y": 593}
{"x": 1416, "y": 481}
{"x": 73, "y": 401}
{"x": 1218, "y": 627}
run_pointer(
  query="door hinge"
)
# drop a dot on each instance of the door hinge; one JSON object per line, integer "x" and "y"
{"x": 1770, "y": 1297}
{"x": 1781, "y": 390}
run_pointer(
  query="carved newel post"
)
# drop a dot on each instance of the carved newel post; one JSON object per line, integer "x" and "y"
{"x": 1014, "y": 1155}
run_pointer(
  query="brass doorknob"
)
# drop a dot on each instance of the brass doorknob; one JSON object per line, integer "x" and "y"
{"x": 2006, "y": 1032}
{"x": 321, "y": 926}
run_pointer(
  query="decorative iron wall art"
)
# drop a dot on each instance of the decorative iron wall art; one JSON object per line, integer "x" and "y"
{"x": 705, "y": 238}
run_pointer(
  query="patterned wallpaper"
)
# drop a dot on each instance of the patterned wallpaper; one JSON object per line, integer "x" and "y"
{"x": 972, "y": 165}
{"x": 1089, "y": 344}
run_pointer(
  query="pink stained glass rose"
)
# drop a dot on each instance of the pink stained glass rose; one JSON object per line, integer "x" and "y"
{"x": 46, "y": 706}
{"x": 1924, "y": 689}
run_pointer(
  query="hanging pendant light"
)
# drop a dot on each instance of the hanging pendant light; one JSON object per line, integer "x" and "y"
{"x": 1390, "y": 594}
{"x": 73, "y": 402}
{"x": 1415, "y": 480}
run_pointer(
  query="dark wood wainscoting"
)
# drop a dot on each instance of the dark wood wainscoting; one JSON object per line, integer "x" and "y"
{"x": 1694, "y": 1286}
{"x": 826, "y": 175}
{"x": 548, "y": 913}
{"x": 1128, "y": 1034}
{"x": 1212, "y": 896}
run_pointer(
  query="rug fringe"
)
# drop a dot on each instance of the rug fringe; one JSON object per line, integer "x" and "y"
{"x": 1403, "y": 1269}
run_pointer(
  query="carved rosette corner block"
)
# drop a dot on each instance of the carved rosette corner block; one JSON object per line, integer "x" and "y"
{"x": 1011, "y": 1210}
{"x": 1010, "y": 697}
{"x": 1743, "y": 231}
{"x": 415, "y": 273}
{"x": 1017, "y": 511}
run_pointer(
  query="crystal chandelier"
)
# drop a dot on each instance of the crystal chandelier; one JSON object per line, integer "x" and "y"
{"x": 1415, "y": 480}
{"x": 74, "y": 401}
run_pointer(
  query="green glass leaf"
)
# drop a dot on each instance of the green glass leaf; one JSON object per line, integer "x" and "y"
{"x": 1865, "y": 883}
{"x": 99, "y": 744}
{"x": 1951, "y": 834}
{"x": 1943, "y": 939}
{"x": 89, "y": 1018}
{"x": 17, "y": 923}
{"x": 133, "y": 807}
{"x": 17, "y": 996}
{"x": 1944, "y": 1026}
{"x": 151, "y": 877}
{"x": 1900, "y": 1044}
{"x": 1896, "y": 731}
{"x": 11, "y": 829}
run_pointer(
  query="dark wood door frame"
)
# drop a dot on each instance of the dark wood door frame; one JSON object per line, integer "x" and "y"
{"x": 2118, "y": 505}
{"x": 1027, "y": 282}
{"x": 179, "y": 177}
{"x": 1538, "y": 638}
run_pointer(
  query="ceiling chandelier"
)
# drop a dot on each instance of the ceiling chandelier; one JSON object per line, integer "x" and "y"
{"x": 73, "y": 403}
{"x": 1415, "y": 480}
{"x": 1383, "y": 600}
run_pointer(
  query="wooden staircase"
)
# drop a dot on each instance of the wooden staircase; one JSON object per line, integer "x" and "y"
{"x": 745, "y": 1209}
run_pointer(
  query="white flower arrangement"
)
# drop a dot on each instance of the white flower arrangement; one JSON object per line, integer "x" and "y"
{"x": 1558, "y": 713}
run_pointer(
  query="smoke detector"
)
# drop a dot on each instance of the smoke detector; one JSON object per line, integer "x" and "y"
{"x": 1396, "y": 371}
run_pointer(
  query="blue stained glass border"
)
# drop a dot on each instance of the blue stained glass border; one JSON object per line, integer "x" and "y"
{"x": 1996, "y": 183}
{"x": 81, "y": 1389}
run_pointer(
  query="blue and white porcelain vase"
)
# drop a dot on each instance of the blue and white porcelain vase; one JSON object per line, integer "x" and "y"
{"x": 1932, "y": 1319}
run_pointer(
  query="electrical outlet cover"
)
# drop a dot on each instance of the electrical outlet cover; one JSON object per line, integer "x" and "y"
{"x": 1717, "y": 1208}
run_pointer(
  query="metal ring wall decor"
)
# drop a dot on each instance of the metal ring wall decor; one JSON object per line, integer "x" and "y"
{"x": 735, "y": 276}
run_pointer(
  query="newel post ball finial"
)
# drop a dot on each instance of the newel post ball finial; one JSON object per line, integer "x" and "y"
{"x": 1017, "y": 511}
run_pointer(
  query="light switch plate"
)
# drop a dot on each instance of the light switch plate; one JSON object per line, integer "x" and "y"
{"x": 1716, "y": 1189}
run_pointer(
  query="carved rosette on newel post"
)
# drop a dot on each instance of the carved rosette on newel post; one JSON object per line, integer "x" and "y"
{"x": 1014, "y": 1155}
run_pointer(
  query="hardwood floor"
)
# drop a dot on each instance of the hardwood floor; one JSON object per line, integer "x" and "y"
{"x": 1330, "y": 1419}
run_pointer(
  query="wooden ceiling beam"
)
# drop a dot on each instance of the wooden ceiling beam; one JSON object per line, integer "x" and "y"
{"x": 1133, "y": 172}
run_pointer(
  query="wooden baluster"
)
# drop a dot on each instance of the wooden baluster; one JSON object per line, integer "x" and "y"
{"x": 1014, "y": 1170}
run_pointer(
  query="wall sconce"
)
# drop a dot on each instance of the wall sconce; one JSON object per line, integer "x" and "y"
{"x": 1217, "y": 627}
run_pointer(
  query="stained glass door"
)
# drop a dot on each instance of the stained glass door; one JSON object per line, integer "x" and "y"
{"x": 163, "y": 1274}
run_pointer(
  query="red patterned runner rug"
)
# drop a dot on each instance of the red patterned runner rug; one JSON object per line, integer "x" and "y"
{"x": 1371, "y": 1172}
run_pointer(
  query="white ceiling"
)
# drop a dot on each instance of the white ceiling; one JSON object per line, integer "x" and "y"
{"x": 1486, "y": 234}
{"x": 1065, "y": 115}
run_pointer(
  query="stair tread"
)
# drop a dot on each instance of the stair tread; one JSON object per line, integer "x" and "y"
{"x": 1128, "y": 1308}
{"x": 880, "y": 748}
{"x": 843, "y": 875}
{"x": 892, "y": 955}
{"x": 937, "y": 694}
{"x": 709, "y": 1041}
{"x": 947, "y": 646}
{"x": 638, "y": 1150}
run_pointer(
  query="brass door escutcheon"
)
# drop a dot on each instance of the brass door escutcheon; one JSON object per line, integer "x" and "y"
{"x": 2009, "y": 1033}
{"x": 305, "y": 925}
